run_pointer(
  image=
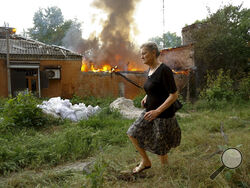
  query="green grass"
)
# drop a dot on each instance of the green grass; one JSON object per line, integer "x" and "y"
{"x": 27, "y": 151}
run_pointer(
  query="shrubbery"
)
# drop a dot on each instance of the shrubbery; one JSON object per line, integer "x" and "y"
{"x": 22, "y": 111}
{"x": 221, "y": 88}
{"x": 244, "y": 88}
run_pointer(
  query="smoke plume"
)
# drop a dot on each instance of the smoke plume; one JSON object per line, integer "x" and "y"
{"x": 114, "y": 42}
{"x": 117, "y": 48}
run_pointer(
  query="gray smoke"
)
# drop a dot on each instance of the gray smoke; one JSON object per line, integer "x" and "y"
{"x": 73, "y": 40}
{"x": 115, "y": 38}
{"x": 114, "y": 45}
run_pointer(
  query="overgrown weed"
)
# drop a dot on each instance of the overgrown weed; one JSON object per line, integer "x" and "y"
{"x": 104, "y": 135}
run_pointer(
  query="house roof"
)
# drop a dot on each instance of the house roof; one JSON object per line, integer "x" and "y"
{"x": 25, "y": 48}
{"x": 193, "y": 26}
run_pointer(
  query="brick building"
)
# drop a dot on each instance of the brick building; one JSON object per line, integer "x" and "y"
{"x": 44, "y": 69}
{"x": 52, "y": 71}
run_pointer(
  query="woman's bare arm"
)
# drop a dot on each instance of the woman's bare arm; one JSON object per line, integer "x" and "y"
{"x": 152, "y": 114}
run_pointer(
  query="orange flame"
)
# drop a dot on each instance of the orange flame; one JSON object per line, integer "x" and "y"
{"x": 86, "y": 66}
{"x": 185, "y": 72}
{"x": 104, "y": 68}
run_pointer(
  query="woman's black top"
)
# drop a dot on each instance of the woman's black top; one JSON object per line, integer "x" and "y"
{"x": 157, "y": 87}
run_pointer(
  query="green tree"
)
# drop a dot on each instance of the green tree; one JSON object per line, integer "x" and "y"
{"x": 50, "y": 27}
{"x": 223, "y": 40}
{"x": 168, "y": 40}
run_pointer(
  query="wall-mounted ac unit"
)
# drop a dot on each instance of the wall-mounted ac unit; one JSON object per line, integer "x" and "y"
{"x": 53, "y": 73}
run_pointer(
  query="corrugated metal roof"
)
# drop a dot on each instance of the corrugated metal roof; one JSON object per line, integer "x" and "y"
{"x": 20, "y": 46}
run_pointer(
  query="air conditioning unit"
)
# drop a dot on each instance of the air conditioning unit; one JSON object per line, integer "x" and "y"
{"x": 53, "y": 73}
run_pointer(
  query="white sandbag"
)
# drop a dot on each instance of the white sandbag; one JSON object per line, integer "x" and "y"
{"x": 90, "y": 110}
{"x": 50, "y": 113}
{"x": 97, "y": 109}
{"x": 81, "y": 114}
{"x": 64, "y": 109}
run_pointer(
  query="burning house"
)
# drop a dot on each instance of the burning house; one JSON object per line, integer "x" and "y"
{"x": 107, "y": 80}
{"x": 99, "y": 76}
{"x": 54, "y": 71}
{"x": 111, "y": 64}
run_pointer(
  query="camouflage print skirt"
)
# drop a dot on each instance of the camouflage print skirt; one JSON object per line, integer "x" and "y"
{"x": 157, "y": 136}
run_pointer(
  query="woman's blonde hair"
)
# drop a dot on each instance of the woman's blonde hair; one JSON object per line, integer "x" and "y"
{"x": 151, "y": 46}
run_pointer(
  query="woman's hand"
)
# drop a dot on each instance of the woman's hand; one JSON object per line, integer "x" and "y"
{"x": 151, "y": 115}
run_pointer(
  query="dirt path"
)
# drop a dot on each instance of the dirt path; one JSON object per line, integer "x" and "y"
{"x": 78, "y": 166}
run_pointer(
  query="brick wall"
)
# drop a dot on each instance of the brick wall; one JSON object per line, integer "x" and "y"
{"x": 105, "y": 84}
{"x": 66, "y": 86}
{"x": 73, "y": 81}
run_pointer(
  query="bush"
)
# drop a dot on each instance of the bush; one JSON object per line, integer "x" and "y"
{"x": 22, "y": 111}
{"x": 243, "y": 89}
{"x": 219, "y": 88}
{"x": 2, "y": 102}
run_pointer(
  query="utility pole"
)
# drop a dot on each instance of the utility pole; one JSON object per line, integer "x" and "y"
{"x": 8, "y": 58}
{"x": 163, "y": 23}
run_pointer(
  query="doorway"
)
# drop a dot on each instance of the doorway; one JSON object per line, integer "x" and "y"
{"x": 24, "y": 80}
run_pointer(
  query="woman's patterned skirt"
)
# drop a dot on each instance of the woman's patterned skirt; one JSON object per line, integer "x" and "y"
{"x": 157, "y": 136}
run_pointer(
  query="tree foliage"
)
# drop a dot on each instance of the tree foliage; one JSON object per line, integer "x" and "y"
{"x": 223, "y": 40}
{"x": 50, "y": 27}
{"x": 168, "y": 40}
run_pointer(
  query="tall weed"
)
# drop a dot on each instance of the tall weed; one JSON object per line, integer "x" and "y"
{"x": 96, "y": 177}
{"x": 23, "y": 150}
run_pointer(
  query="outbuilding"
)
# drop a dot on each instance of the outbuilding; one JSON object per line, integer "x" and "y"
{"x": 46, "y": 70}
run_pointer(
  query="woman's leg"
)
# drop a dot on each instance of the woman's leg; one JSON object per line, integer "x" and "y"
{"x": 145, "y": 159}
{"x": 164, "y": 159}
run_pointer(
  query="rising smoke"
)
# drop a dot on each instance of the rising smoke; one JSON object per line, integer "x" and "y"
{"x": 113, "y": 46}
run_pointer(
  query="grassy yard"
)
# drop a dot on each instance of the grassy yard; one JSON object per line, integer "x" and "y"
{"x": 28, "y": 156}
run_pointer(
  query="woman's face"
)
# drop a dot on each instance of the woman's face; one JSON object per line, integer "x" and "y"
{"x": 147, "y": 56}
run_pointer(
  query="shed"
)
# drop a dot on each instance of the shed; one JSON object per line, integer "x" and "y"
{"x": 46, "y": 70}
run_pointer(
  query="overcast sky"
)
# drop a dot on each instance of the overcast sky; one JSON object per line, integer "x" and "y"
{"x": 148, "y": 15}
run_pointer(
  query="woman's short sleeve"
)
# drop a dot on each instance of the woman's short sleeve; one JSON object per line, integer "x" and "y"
{"x": 168, "y": 80}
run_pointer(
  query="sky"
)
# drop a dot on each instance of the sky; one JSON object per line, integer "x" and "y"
{"x": 148, "y": 14}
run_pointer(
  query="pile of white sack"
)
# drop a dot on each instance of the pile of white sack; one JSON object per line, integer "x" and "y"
{"x": 63, "y": 108}
{"x": 126, "y": 108}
